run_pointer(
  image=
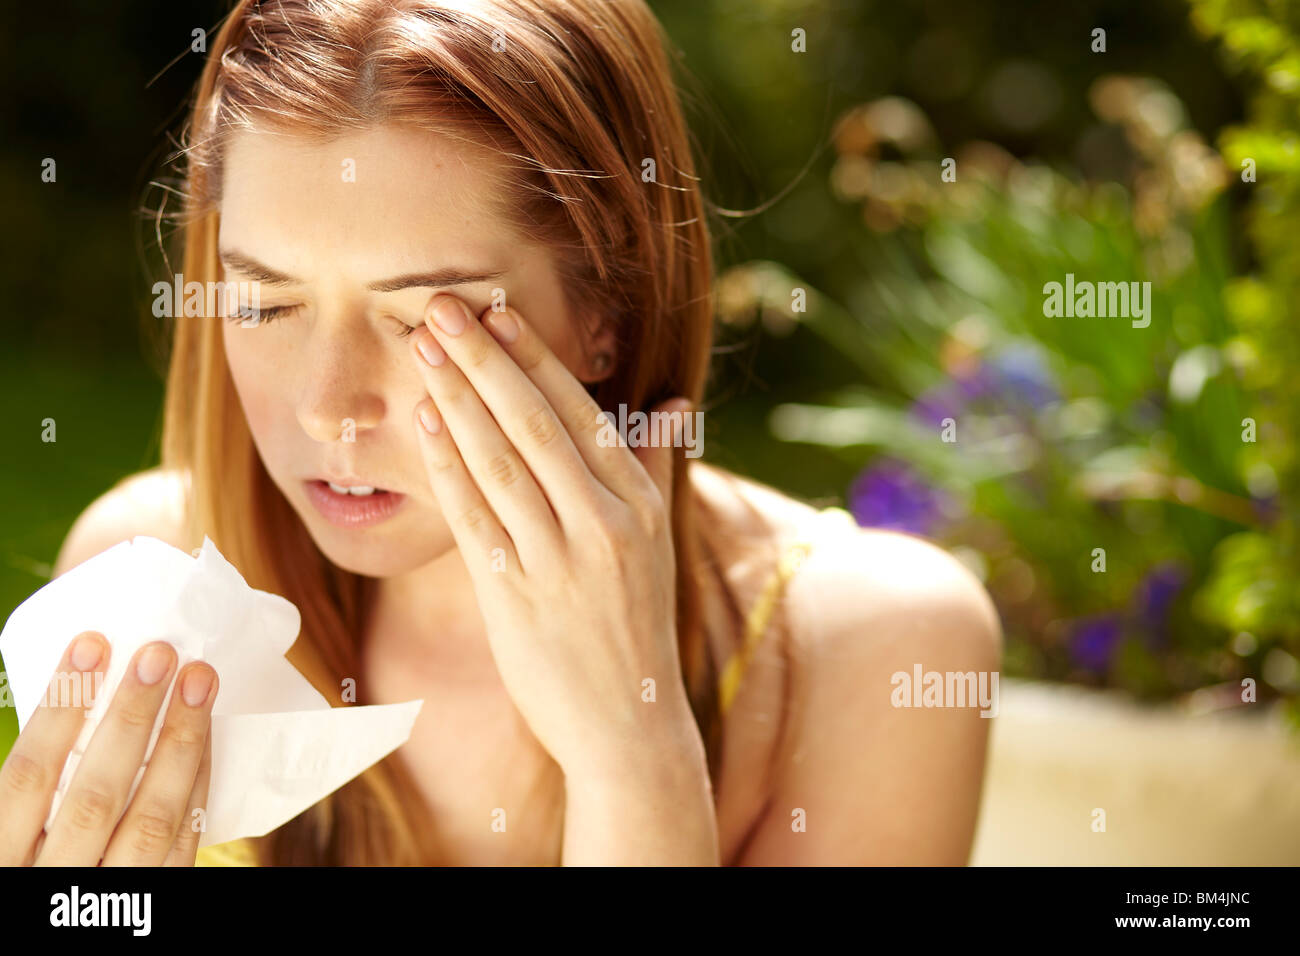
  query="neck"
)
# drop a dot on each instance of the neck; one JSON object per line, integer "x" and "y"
{"x": 431, "y": 611}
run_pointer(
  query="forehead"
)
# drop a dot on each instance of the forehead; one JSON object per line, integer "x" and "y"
{"x": 381, "y": 198}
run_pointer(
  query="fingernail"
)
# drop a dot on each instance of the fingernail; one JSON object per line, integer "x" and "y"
{"x": 503, "y": 326}
{"x": 195, "y": 686}
{"x": 153, "y": 663}
{"x": 87, "y": 653}
{"x": 450, "y": 314}
{"x": 430, "y": 349}
{"x": 430, "y": 419}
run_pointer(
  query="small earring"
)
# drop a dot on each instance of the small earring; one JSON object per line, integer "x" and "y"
{"x": 601, "y": 363}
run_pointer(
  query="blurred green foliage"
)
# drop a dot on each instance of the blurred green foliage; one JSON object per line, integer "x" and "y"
{"x": 1169, "y": 449}
{"x": 1068, "y": 434}
{"x": 1254, "y": 584}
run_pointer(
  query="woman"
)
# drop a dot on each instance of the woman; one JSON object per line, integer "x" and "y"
{"x": 470, "y": 228}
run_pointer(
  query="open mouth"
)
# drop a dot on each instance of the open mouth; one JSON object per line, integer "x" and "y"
{"x": 352, "y": 506}
{"x": 357, "y": 491}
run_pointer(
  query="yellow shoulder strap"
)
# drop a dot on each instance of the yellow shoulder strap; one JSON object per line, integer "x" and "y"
{"x": 756, "y": 622}
{"x": 232, "y": 853}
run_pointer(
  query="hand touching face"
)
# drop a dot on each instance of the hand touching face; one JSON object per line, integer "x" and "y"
{"x": 347, "y": 240}
{"x": 566, "y": 535}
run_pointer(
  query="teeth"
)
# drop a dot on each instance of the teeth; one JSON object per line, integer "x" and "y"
{"x": 359, "y": 490}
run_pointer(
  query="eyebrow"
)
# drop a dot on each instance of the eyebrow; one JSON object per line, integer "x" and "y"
{"x": 437, "y": 278}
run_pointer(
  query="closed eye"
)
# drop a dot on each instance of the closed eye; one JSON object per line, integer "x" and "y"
{"x": 248, "y": 317}
{"x": 406, "y": 329}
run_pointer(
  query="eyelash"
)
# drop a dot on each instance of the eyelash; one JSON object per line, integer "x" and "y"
{"x": 267, "y": 316}
{"x": 259, "y": 316}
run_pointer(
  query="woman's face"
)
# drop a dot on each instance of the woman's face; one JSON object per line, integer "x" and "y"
{"x": 346, "y": 240}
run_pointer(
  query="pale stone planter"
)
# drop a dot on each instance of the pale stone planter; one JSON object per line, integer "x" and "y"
{"x": 1221, "y": 788}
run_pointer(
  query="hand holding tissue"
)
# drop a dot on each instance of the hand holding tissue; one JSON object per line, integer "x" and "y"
{"x": 277, "y": 745}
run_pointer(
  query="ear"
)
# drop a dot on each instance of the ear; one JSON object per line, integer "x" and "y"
{"x": 598, "y": 335}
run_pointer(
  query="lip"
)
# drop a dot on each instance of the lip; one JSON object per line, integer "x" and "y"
{"x": 350, "y": 511}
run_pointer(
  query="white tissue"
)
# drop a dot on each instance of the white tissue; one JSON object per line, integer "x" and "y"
{"x": 277, "y": 745}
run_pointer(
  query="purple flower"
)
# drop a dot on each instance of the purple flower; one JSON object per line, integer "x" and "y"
{"x": 1022, "y": 375}
{"x": 1153, "y": 597}
{"x": 1267, "y": 510}
{"x": 1015, "y": 376}
{"x": 1093, "y": 641}
{"x": 936, "y": 404}
{"x": 983, "y": 383}
{"x": 888, "y": 494}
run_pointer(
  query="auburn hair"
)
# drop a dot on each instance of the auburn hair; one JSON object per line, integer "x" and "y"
{"x": 574, "y": 96}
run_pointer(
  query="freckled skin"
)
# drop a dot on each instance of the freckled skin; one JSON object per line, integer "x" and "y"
{"x": 419, "y": 202}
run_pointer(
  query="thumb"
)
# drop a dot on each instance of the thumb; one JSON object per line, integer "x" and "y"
{"x": 656, "y": 455}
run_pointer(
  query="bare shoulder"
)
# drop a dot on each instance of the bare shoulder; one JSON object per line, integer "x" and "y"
{"x": 886, "y": 783}
{"x": 890, "y": 588}
{"x": 855, "y": 579}
{"x": 147, "y": 503}
{"x": 876, "y": 782}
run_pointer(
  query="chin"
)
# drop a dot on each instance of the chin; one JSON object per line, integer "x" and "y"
{"x": 378, "y": 552}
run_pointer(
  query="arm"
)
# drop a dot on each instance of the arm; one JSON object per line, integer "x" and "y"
{"x": 657, "y": 812}
{"x": 879, "y": 784}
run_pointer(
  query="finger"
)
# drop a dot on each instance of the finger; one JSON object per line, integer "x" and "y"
{"x": 98, "y": 791}
{"x": 31, "y": 772}
{"x": 482, "y": 541}
{"x": 36, "y": 850}
{"x": 657, "y": 457}
{"x": 186, "y": 848}
{"x": 492, "y": 460}
{"x": 149, "y": 829}
{"x": 583, "y": 419}
{"x": 523, "y": 413}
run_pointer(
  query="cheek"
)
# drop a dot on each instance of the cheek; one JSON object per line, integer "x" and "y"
{"x": 255, "y": 373}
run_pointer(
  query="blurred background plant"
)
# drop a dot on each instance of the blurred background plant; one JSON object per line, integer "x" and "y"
{"x": 1255, "y": 586}
{"x": 922, "y": 298}
{"x": 1093, "y": 473}
{"x": 1128, "y": 495}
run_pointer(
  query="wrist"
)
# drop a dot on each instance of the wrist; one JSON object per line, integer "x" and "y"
{"x": 649, "y": 805}
{"x": 667, "y": 752}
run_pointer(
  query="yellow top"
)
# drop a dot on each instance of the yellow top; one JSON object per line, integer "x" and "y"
{"x": 760, "y": 615}
{"x": 232, "y": 853}
{"x": 240, "y": 852}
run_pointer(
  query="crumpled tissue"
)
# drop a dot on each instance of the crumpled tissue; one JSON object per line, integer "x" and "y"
{"x": 277, "y": 745}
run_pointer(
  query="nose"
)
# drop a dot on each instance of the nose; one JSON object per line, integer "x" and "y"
{"x": 339, "y": 398}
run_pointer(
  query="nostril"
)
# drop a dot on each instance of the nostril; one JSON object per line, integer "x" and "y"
{"x": 340, "y": 419}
